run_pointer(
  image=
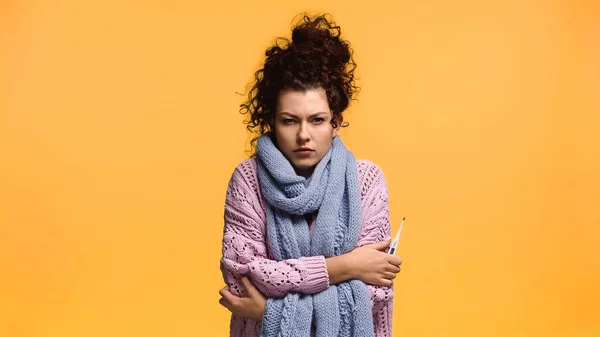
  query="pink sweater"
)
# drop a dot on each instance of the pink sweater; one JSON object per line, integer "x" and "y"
{"x": 245, "y": 251}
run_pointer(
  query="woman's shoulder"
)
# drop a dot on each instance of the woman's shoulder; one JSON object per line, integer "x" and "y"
{"x": 370, "y": 177}
{"x": 245, "y": 172}
{"x": 247, "y": 166}
{"x": 243, "y": 184}
{"x": 368, "y": 169}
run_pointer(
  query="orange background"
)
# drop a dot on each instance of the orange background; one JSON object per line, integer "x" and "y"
{"x": 119, "y": 131}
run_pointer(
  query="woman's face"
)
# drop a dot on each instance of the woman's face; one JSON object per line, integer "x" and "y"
{"x": 303, "y": 128}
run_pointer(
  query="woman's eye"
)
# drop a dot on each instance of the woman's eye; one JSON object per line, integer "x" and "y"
{"x": 288, "y": 121}
{"x": 318, "y": 120}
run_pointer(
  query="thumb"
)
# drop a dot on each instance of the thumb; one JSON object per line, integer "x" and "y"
{"x": 250, "y": 288}
{"x": 380, "y": 245}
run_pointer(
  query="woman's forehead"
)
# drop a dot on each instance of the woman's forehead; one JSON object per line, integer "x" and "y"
{"x": 303, "y": 102}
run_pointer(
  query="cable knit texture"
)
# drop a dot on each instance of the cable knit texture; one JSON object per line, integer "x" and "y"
{"x": 245, "y": 251}
{"x": 332, "y": 193}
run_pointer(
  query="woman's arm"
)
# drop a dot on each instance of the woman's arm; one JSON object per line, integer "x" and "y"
{"x": 376, "y": 228}
{"x": 244, "y": 250}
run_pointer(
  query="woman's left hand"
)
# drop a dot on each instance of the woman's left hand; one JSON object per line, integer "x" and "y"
{"x": 251, "y": 306}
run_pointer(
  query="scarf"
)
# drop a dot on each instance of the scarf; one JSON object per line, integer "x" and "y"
{"x": 342, "y": 309}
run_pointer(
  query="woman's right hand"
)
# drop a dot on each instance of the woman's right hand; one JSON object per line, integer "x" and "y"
{"x": 373, "y": 265}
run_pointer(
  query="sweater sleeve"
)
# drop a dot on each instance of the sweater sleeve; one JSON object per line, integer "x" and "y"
{"x": 244, "y": 249}
{"x": 376, "y": 228}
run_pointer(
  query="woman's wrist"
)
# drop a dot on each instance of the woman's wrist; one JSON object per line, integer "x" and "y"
{"x": 338, "y": 268}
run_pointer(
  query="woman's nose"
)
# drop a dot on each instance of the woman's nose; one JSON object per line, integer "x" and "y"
{"x": 303, "y": 134}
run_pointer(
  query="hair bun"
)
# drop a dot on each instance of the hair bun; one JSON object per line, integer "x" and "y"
{"x": 320, "y": 36}
{"x": 302, "y": 35}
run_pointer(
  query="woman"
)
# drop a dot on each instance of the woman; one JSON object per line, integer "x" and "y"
{"x": 306, "y": 224}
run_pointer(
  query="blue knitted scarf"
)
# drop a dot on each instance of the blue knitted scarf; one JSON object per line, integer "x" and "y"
{"x": 342, "y": 309}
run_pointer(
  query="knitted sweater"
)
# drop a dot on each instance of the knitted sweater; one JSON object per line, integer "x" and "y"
{"x": 245, "y": 251}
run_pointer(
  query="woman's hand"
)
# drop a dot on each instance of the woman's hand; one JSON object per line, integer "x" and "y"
{"x": 373, "y": 265}
{"x": 251, "y": 306}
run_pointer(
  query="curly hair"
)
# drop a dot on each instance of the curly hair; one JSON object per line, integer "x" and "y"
{"x": 315, "y": 57}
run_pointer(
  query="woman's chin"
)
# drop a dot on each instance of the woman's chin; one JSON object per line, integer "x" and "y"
{"x": 304, "y": 168}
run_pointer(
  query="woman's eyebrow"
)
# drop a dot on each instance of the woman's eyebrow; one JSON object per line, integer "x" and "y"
{"x": 310, "y": 116}
{"x": 288, "y": 113}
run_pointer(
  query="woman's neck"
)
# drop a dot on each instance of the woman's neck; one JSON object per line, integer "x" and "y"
{"x": 306, "y": 173}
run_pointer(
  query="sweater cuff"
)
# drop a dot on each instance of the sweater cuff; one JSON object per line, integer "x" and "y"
{"x": 316, "y": 277}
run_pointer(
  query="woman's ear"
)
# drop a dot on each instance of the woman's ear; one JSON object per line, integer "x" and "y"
{"x": 338, "y": 124}
{"x": 271, "y": 122}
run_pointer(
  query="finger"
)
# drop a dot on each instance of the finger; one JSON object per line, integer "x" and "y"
{"x": 392, "y": 269}
{"x": 228, "y": 296}
{"x": 389, "y": 276}
{"x": 225, "y": 303}
{"x": 250, "y": 288}
{"x": 379, "y": 245}
{"x": 223, "y": 290}
{"x": 247, "y": 283}
{"x": 394, "y": 260}
{"x": 386, "y": 282}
